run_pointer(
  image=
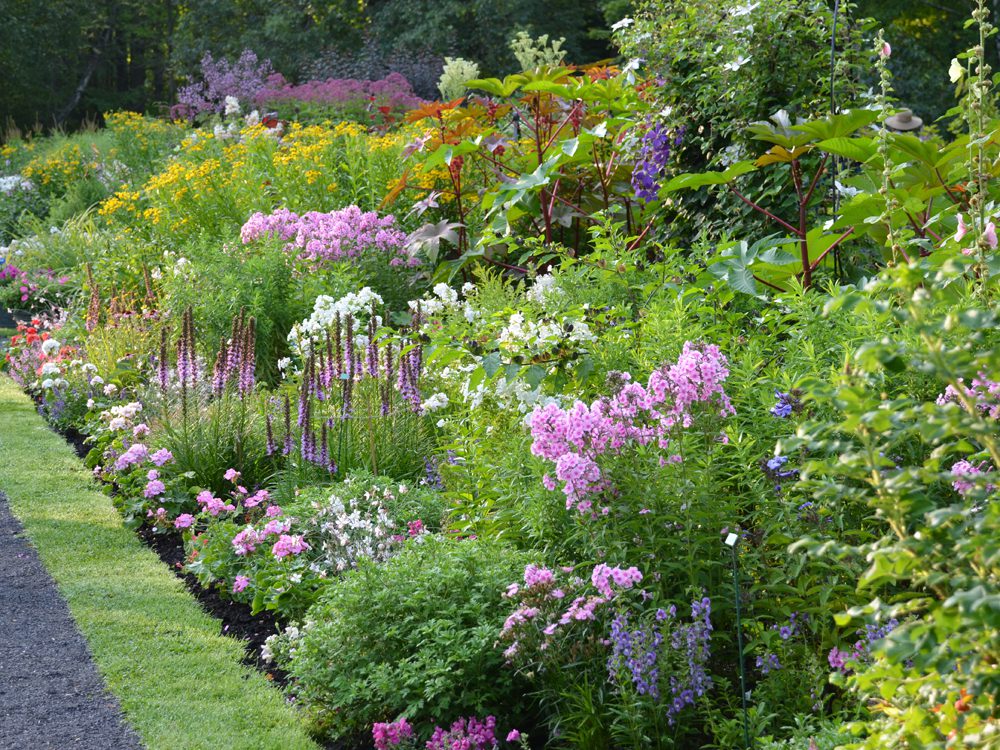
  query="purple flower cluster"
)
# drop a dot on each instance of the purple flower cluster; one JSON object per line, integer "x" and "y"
{"x": 574, "y": 438}
{"x": 244, "y": 79}
{"x": 694, "y": 641}
{"x": 774, "y": 469}
{"x": 393, "y": 91}
{"x": 768, "y": 663}
{"x": 320, "y": 238}
{"x": 860, "y": 653}
{"x": 787, "y": 404}
{"x": 635, "y": 653}
{"x": 465, "y": 734}
{"x": 651, "y": 165}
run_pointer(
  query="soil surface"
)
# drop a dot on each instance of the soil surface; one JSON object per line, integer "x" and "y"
{"x": 50, "y": 691}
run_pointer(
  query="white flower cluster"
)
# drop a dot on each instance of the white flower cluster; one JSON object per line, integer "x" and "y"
{"x": 11, "y": 183}
{"x": 446, "y": 298}
{"x": 324, "y": 314}
{"x": 356, "y": 528}
{"x": 544, "y": 290}
{"x": 435, "y": 402}
{"x": 520, "y": 334}
{"x": 232, "y": 106}
{"x": 120, "y": 418}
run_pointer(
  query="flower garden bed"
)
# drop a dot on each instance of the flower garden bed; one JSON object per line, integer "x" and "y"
{"x": 508, "y": 430}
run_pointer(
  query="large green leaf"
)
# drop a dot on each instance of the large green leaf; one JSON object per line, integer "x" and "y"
{"x": 701, "y": 179}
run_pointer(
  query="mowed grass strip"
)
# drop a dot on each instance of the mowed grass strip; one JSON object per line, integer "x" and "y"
{"x": 179, "y": 682}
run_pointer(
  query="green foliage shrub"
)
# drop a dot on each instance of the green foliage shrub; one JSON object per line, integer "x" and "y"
{"x": 412, "y": 637}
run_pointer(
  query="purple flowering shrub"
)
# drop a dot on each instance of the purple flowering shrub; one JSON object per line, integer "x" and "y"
{"x": 243, "y": 79}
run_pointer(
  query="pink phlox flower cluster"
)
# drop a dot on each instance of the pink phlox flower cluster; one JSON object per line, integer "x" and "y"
{"x": 136, "y": 454}
{"x": 623, "y": 578}
{"x": 574, "y": 438}
{"x": 465, "y": 734}
{"x": 388, "y": 735}
{"x": 231, "y": 475}
{"x": 985, "y": 393}
{"x": 273, "y": 511}
{"x": 392, "y": 91}
{"x": 581, "y": 608}
{"x": 698, "y": 377}
{"x": 415, "y": 528}
{"x": 240, "y": 583}
{"x": 213, "y": 505}
{"x": 332, "y": 237}
{"x": 183, "y": 521}
{"x": 289, "y": 545}
{"x": 965, "y": 473}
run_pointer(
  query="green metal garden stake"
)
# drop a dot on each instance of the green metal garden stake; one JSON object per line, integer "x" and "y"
{"x": 731, "y": 543}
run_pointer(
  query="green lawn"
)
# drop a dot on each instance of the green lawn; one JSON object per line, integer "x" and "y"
{"x": 180, "y": 682}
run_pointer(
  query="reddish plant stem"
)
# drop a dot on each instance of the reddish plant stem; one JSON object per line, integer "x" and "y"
{"x": 764, "y": 211}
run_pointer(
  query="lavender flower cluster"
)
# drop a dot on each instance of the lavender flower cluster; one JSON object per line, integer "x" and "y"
{"x": 694, "y": 641}
{"x": 242, "y": 80}
{"x": 860, "y": 652}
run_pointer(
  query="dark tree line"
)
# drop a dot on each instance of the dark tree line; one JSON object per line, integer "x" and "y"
{"x": 64, "y": 61}
{"x": 67, "y": 60}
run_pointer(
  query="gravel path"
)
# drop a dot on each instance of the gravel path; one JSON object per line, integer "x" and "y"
{"x": 51, "y": 695}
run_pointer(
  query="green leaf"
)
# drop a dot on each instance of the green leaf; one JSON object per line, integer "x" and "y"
{"x": 701, "y": 179}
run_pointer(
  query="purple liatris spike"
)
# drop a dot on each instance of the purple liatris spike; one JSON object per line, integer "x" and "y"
{"x": 219, "y": 370}
{"x": 338, "y": 347}
{"x": 248, "y": 357}
{"x": 349, "y": 345}
{"x": 163, "y": 365}
{"x": 287, "y": 448}
{"x": 271, "y": 447}
{"x": 324, "y": 449}
{"x": 386, "y": 383}
{"x": 372, "y": 350}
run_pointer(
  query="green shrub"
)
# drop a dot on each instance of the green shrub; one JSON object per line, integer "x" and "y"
{"x": 414, "y": 636}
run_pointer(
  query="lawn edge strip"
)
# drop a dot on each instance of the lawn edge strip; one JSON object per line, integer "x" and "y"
{"x": 179, "y": 682}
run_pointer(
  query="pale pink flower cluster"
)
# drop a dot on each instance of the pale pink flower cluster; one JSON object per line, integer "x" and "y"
{"x": 246, "y": 541}
{"x": 573, "y": 438}
{"x": 965, "y": 473}
{"x": 541, "y": 600}
{"x": 332, "y": 237}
